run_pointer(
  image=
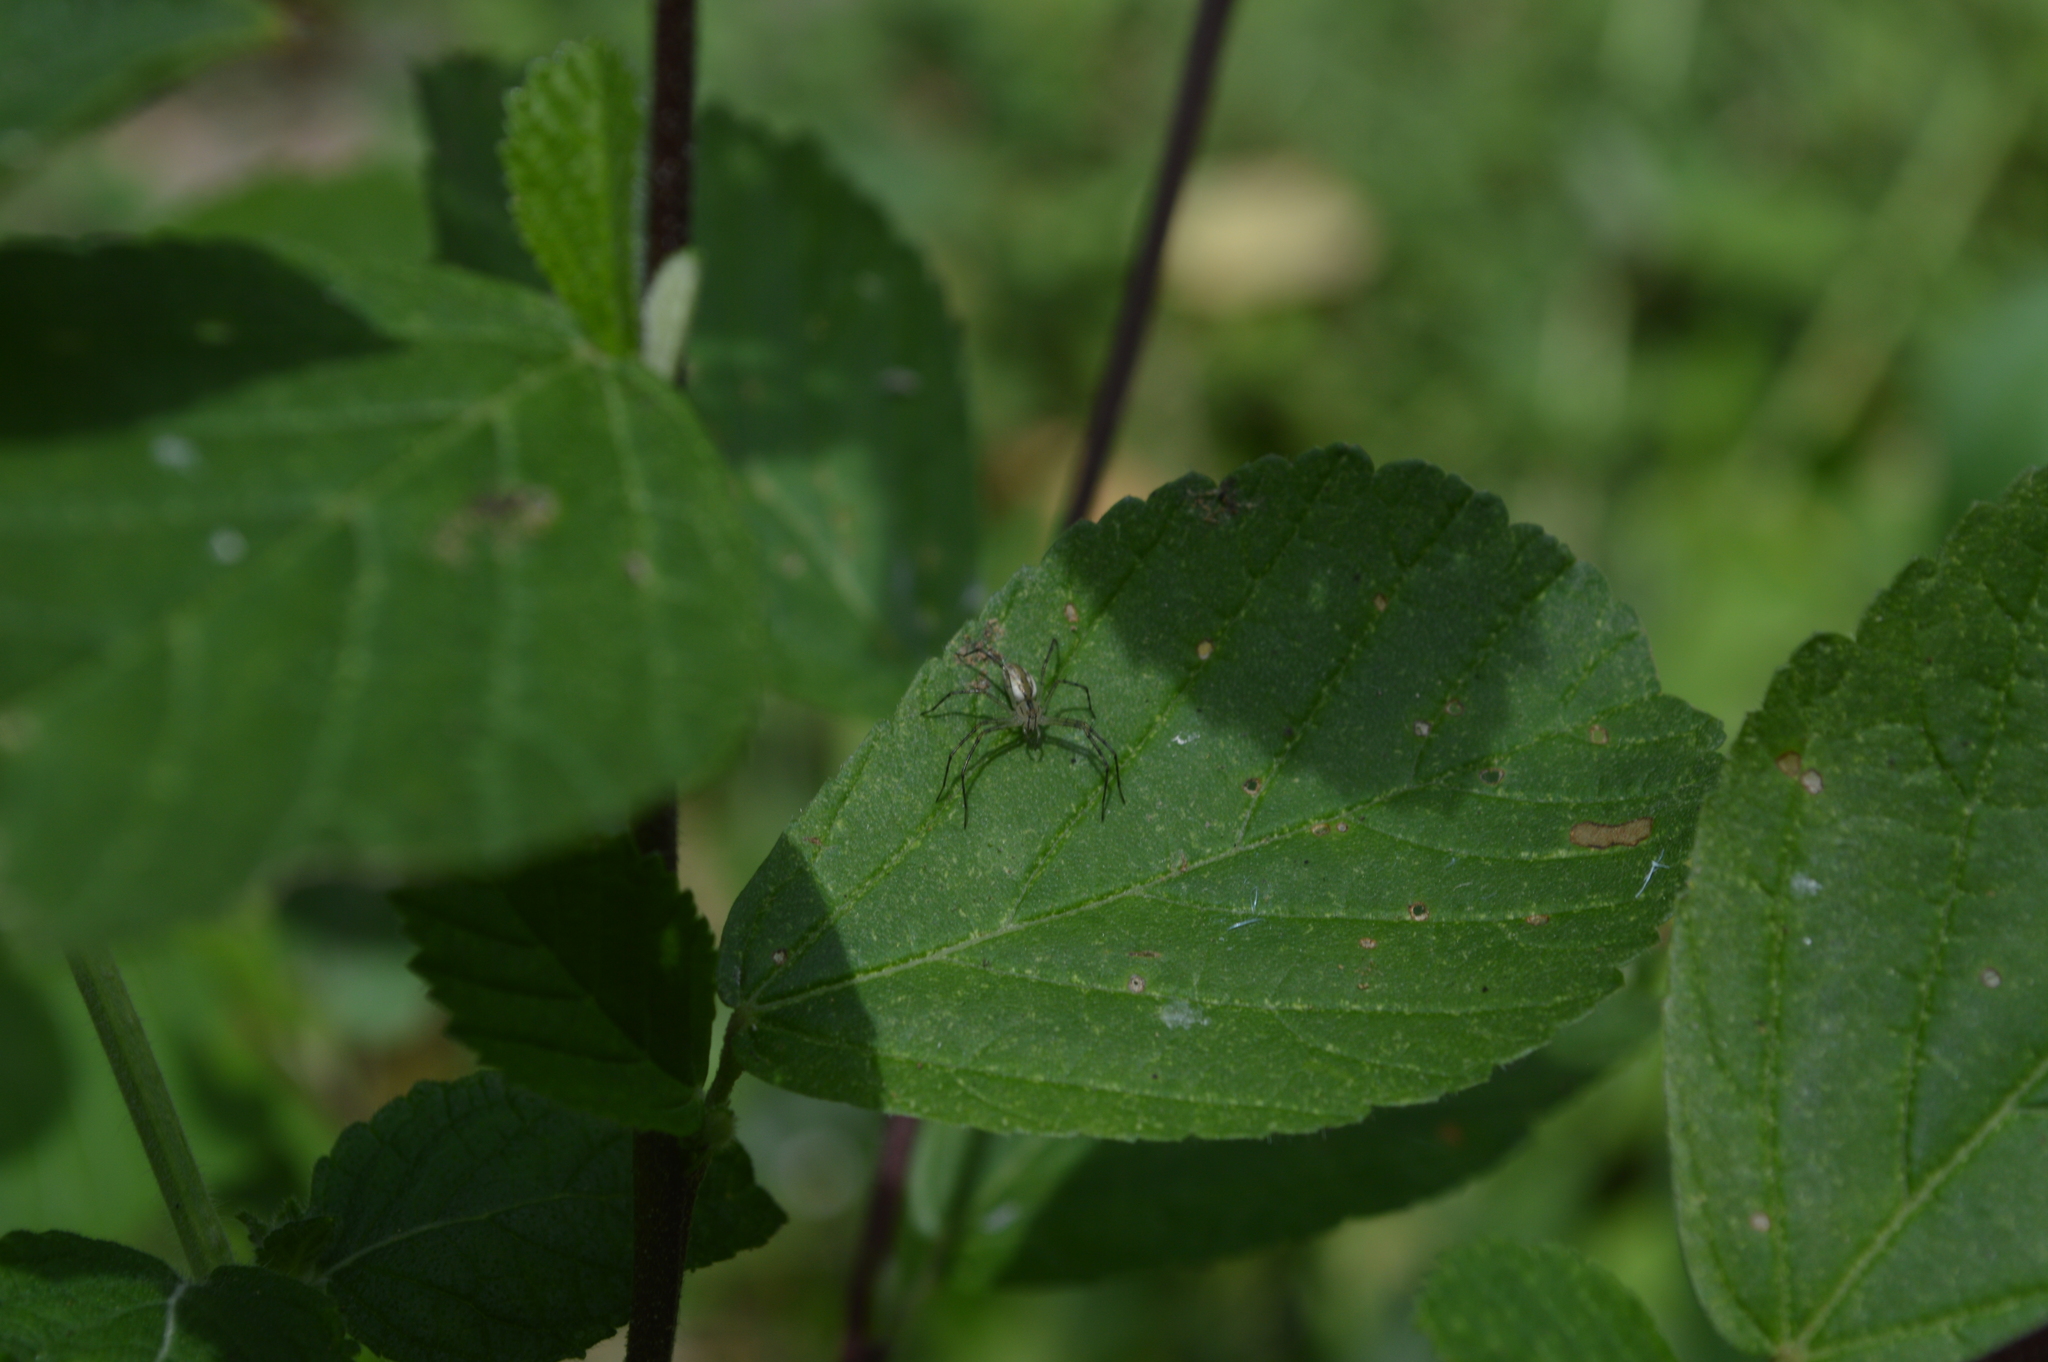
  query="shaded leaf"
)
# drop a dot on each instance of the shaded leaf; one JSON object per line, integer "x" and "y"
{"x": 66, "y": 63}
{"x": 1402, "y": 794}
{"x": 733, "y": 1214}
{"x": 374, "y": 214}
{"x": 1857, "y": 1037}
{"x": 478, "y": 589}
{"x": 479, "y": 1221}
{"x": 1044, "y": 1211}
{"x": 827, "y": 369}
{"x": 462, "y": 104}
{"x": 586, "y": 977}
{"x": 66, "y": 1298}
{"x": 1495, "y": 1301}
{"x": 571, "y": 135}
{"x": 34, "y": 1072}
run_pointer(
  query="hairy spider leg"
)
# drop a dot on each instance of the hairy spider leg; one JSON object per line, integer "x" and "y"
{"x": 1101, "y": 746}
{"x": 989, "y": 727}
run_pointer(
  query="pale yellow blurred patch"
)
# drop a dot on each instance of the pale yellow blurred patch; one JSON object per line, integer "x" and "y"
{"x": 1278, "y": 231}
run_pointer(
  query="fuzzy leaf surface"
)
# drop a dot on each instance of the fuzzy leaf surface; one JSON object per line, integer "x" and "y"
{"x": 1857, "y": 1036}
{"x": 477, "y": 1220}
{"x": 409, "y": 578}
{"x": 829, "y": 372}
{"x": 1399, "y": 794}
{"x": 586, "y": 977}
{"x": 66, "y": 1298}
{"x": 1044, "y": 1211}
{"x": 571, "y": 135}
{"x": 1495, "y": 1301}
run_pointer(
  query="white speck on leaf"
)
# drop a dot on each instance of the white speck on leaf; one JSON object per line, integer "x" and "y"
{"x": 227, "y": 545}
{"x": 1181, "y": 1014}
{"x": 1806, "y": 886}
{"x": 1656, "y": 864}
{"x": 1760, "y": 1222}
{"x": 1991, "y": 978}
{"x": 1183, "y": 739}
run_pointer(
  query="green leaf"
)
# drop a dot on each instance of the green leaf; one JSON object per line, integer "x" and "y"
{"x": 1401, "y": 796}
{"x": 66, "y": 1298}
{"x": 571, "y": 136}
{"x": 732, "y": 1213}
{"x": 828, "y": 370}
{"x": 462, "y": 103}
{"x": 475, "y": 590}
{"x": 66, "y": 63}
{"x": 33, "y": 1069}
{"x": 1858, "y": 1027}
{"x": 374, "y": 214}
{"x": 586, "y": 977}
{"x": 1495, "y": 1301}
{"x": 1045, "y": 1211}
{"x": 479, "y": 1221}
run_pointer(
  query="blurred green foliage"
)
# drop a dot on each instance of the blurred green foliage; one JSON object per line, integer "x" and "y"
{"x": 1740, "y": 300}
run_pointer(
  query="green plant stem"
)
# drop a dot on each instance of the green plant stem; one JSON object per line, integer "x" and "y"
{"x": 200, "y": 1231}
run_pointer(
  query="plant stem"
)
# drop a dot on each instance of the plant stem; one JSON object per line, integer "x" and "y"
{"x": 670, "y": 143}
{"x": 1141, "y": 284}
{"x": 199, "y": 1227}
{"x": 666, "y": 1171}
{"x": 877, "y": 1238}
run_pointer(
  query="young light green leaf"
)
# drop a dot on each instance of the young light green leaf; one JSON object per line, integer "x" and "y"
{"x": 66, "y": 1298}
{"x": 66, "y": 63}
{"x": 1043, "y": 1211}
{"x": 479, "y": 1221}
{"x": 1395, "y": 793}
{"x": 1857, "y": 1035}
{"x": 571, "y": 136}
{"x": 462, "y": 104}
{"x": 586, "y": 977}
{"x": 456, "y": 585}
{"x": 1495, "y": 1301}
{"x": 827, "y": 369}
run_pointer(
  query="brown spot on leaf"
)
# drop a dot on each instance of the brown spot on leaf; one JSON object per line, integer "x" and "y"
{"x": 1788, "y": 763}
{"x": 1379, "y": 602}
{"x": 1418, "y": 910}
{"x": 1537, "y": 919}
{"x": 1367, "y": 942}
{"x": 1073, "y": 615}
{"x": 1144, "y": 955}
{"x": 1319, "y": 829}
{"x": 1137, "y": 984}
{"x": 1600, "y": 836}
{"x": 1597, "y": 733}
{"x": 815, "y": 841}
{"x": 1253, "y": 785}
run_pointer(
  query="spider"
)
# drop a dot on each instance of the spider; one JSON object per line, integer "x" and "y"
{"x": 1030, "y": 717}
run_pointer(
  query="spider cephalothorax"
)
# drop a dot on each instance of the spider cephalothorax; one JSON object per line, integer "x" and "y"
{"x": 1029, "y": 716}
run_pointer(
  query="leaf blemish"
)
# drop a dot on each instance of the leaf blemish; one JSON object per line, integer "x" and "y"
{"x": 1181, "y": 1014}
{"x": 1367, "y": 942}
{"x": 1600, "y": 836}
{"x": 1597, "y": 733}
{"x": 1991, "y": 978}
{"x": 1137, "y": 984}
{"x": 1144, "y": 955}
{"x": 1073, "y": 614}
{"x": 1319, "y": 829}
{"x": 1203, "y": 649}
{"x": 1253, "y": 785}
{"x": 1492, "y": 775}
{"x": 1379, "y": 603}
{"x": 779, "y": 957}
{"x": 1760, "y": 1222}
{"x": 1418, "y": 910}
{"x": 1810, "y": 781}
{"x": 1421, "y": 728}
{"x": 1537, "y": 919}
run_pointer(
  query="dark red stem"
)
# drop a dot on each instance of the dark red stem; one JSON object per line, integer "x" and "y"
{"x": 877, "y": 1239}
{"x": 670, "y": 145}
{"x": 1141, "y": 284}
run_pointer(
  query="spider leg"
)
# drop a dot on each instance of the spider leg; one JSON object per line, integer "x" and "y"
{"x": 964, "y": 690}
{"x": 973, "y": 735}
{"x": 967, "y": 767}
{"x": 1114, "y": 768}
{"x": 1086, "y": 696}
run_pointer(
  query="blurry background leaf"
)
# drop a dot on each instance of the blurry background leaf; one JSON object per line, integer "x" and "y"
{"x": 476, "y": 590}
{"x": 462, "y": 103}
{"x": 1859, "y": 992}
{"x": 65, "y": 63}
{"x": 1495, "y": 1301}
{"x": 480, "y": 1221}
{"x": 63, "y": 1296}
{"x": 1400, "y": 789}
{"x": 34, "y": 1070}
{"x": 829, "y": 371}
{"x": 1988, "y": 387}
{"x": 373, "y": 215}
{"x": 572, "y": 133}
{"x": 1041, "y": 1211}
{"x": 586, "y": 977}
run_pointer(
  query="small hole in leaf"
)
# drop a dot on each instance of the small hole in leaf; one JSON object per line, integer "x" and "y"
{"x": 1254, "y": 785}
{"x": 1137, "y": 984}
{"x": 1418, "y": 911}
{"x": 1492, "y": 775}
